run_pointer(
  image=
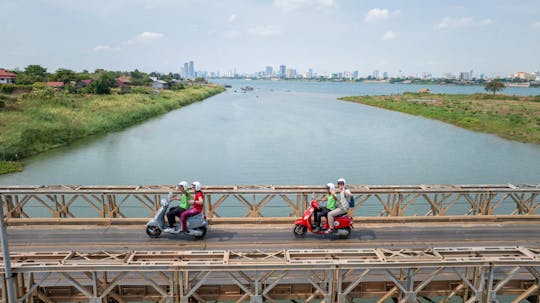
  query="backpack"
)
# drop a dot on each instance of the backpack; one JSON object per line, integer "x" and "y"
{"x": 351, "y": 202}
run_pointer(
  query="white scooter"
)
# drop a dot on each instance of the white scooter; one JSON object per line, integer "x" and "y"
{"x": 196, "y": 225}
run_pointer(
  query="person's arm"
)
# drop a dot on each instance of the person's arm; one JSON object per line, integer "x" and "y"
{"x": 199, "y": 200}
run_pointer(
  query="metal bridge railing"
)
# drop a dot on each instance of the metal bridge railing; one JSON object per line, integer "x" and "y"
{"x": 268, "y": 201}
{"x": 479, "y": 274}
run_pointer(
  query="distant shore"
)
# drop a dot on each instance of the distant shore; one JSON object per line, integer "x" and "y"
{"x": 511, "y": 117}
{"x": 33, "y": 124}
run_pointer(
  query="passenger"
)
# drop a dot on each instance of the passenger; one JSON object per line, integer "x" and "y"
{"x": 178, "y": 210}
{"x": 343, "y": 205}
{"x": 329, "y": 205}
{"x": 197, "y": 204}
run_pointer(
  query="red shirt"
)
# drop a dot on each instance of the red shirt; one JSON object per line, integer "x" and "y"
{"x": 196, "y": 205}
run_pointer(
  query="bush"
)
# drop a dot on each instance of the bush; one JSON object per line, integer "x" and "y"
{"x": 7, "y": 88}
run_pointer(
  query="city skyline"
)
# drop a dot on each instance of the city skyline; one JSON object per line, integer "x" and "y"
{"x": 495, "y": 38}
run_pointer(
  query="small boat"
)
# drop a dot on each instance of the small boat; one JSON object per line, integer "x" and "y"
{"x": 247, "y": 88}
{"x": 227, "y": 86}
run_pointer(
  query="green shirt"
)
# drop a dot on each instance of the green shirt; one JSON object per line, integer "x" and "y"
{"x": 330, "y": 202}
{"x": 184, "y": 202}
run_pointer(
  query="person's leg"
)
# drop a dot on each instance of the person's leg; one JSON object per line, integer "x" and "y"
{"x": 171, "y": 216}
{"x": 331, "y": 215}
{"x": 322, "y": 213}
{"x": 188, "y": 213}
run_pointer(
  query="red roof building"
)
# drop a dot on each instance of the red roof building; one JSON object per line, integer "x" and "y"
{"x": 7, "y": 77}
{"x": 55, "y": 84}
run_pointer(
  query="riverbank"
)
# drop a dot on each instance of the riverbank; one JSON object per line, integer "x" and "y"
{"x": 36, "y": 122}
{"x": 510, "y": 117}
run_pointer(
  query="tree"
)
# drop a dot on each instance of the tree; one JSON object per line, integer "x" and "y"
{"x": 32, "y": 74}
{"x": 65, "y": 75}
{"x": 103, "y": 84}
{"x": 494, "y": 86}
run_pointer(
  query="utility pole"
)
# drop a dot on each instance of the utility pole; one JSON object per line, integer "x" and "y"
{"x": 5, "y": 252}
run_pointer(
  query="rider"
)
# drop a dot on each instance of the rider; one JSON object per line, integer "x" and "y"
{"x": 343, "y": 205}
{"x": 197, "y": 202}
{"x": 178, "y": 210}
{"x": 323, "y": 210}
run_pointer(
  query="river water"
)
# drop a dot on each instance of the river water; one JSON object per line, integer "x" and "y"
{"x": 288, "y": 132}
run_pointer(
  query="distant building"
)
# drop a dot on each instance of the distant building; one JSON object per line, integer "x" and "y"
{"x": 464, "y": 76}
{"x": 269, "y": 71}
{"x": 355, "y": 74}
{"x": 55, "y": 84}
{"x": 7, "y": 77}
{"x": 525, "y": 76}
{"x": 191, "y": 70}
{"x": 376, "y": 74}
{"x": 291, "y": 73}
{"x": 185, "y": 73}
{"x": 160, "y": 84}
{"x": 282, "y": 71}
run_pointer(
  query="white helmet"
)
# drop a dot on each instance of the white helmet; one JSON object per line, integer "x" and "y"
{"x": 341, "y": 180}
{"x": 197, "y": 185}
{"x": 184, "y": 185}
{"x": 330, "y": 186}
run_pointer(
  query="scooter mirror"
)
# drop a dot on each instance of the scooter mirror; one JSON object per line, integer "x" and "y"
{"x": 164, "y": 202}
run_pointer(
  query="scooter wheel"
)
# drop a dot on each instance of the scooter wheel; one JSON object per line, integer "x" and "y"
{"x": 299, "y": 231}
{"x": 204, "y": 230}
{"x": 345, "y": 236}
{"x": 153, "y": 231}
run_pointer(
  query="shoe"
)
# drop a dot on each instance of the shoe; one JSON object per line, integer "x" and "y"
{"x": 328, "y": 231}
{"x": 169, "y": 230}
{"x": 316, "y": 229}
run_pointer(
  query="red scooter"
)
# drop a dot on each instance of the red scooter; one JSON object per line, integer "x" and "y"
{"x": 343, "y": 224}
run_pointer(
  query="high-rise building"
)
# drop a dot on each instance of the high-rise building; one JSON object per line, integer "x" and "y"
{"x": 310, "y": 73}
{"x": 269, "y": 71}
{"x": 385, "y": 75}
{"x": 185, "y": 74}
{"x": 291, "y": 73}
{"x": 282, "y": 71}
{"x": 191, "y": 70}
{"x": 355, "y": 74}
{"x": 376, "y": 74}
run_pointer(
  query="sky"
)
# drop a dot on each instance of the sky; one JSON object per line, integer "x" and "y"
{"x": 495, "y": 37}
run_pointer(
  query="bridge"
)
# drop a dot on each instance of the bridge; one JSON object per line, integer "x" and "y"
{"x": 422, "y": 243}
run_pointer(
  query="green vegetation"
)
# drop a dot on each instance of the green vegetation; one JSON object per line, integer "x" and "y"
{"x": 46, "y": 118}
{"x": 511, "y": 117}
{"x": 494, "y": 86}
{"x": 7, "y": 167}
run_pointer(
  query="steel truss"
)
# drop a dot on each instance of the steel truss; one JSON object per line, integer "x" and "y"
{"x": 91, "y": 204}
{"x": 479, "y": 274}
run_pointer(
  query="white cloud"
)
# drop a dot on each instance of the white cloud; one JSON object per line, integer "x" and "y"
{"x": 231, "y": 18}
{"x": 536, "y": 25}
{"x": 264, "y": 31}
{"x": 379, "y": 14}
{"x": 389, "y": 35}
{"x": 145, "y": 37}
{"x": 106, "y": 48}
{"x": 485, "y": 22}
{"x": 230, "y": 34}
{"x": 295, "y": 5}
{"x": 450, "y": 23}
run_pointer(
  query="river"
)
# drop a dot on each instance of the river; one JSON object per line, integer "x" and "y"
{"x": 290, "y": 132}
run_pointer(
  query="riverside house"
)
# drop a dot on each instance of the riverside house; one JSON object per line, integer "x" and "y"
{"x": 160, "y": 84}
{"x": 7, "y": 77}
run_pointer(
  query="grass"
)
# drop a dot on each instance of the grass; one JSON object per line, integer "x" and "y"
{"x": 42, "y": 120}
{"x": 511, "y": 117}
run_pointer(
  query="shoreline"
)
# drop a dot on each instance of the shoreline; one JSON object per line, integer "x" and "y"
{"x": 35, "y": 125}
{"x": 515, "y": 118}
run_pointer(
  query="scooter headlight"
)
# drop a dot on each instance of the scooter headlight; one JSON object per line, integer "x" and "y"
{"x": 164, "y": 202}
